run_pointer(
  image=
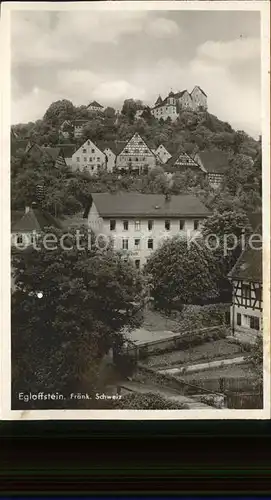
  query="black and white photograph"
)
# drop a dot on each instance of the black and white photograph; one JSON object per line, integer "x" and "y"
{"x": 136, "y": 210}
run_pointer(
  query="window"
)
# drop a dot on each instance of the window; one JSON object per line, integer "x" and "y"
{"x": 126, "y": 151}
{"x": 130, "y": 159}
{"x": 258, "y": 294}
{"x": 196, "y": 225}
{"x": 150, "y": 225}
{"x": 84, "y": 150}
{"x": 93, "y": 150}
{"x": 125, "y": 244}
{"x": 254, "y": 323}
{"x": 85, "y": 159}
{"x": 150, "y": 243}
{"x": 78, "y": 158}
{"x": 137, "y": 225}
{"x": 90, "y": 158}
{"x": 137, "y": 263}
{"x": 19, "y": 239}
{"x": 112, "y": 225}
{"x": 136, "y": 159}
{"x": 98, "y": 158}
{"x": 88, "y": 143}
{"x": 167, "y": 225}
{"x": 182, "y": 224}
{"x": 137, "y": 242}
{"x": 239, "y": 319}
{"x": 246, "y": 291}
{"x": 125, "y": 225}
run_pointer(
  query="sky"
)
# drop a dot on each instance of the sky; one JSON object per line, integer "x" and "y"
{"x": 113, "y": 55}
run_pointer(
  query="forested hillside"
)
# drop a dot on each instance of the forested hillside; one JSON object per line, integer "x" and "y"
{"x": 194, "y": 131}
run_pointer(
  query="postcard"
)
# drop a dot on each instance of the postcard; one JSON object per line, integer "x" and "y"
{"x": 135, "y": 210}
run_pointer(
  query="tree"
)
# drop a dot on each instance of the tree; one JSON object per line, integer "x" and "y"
{"x": 181, "y": 272}
{"x": 255, "y": 358}
{"x": 147, "y": 401}
{"x": 59, "y": 111}
{"x": 227, "y": 233}
{"x": 88, "y": 296}
{"x": 130, "y": 107}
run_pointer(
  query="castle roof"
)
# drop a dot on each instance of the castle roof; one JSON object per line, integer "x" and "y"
{"x": 197, "y": 86}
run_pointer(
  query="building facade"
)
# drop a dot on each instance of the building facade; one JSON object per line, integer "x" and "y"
{"x": 138, "y": 223}
{"x": 95, "y": 107}
{"x": 215, "y": 165}
{"x": 78, "y": 128}
{"x": 181, "y": 161}
{"x": 247, "y": 301}
{"x": 88, "y": 158}
{"x": 175, "y": 102}
{"x": 135, "y": 157}
{"x": 163, "y": 154}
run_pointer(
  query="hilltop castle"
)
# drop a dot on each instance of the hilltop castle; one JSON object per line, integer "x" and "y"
{"x": 174, "y": 102}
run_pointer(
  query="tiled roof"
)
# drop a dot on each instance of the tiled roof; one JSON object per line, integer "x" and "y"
{"x": 186, "y": 160}
{"x": 80, "y": 122}
{"x": 123, "y": 204}
{"x": 53, "y": 152}
{"x": 214, "y": 161}
{"x": 68, "y": 149}
{"x": 95, "y": 103}
{"x": 16, "y": 215}
{"x": 197, "y": 86}
{"x": 102, "y": 145}
{"x": 180, "y": 94}
{"x": 17, "y": 145}
{"x": 35, "y": 220}
{"x": 248, "y": 266}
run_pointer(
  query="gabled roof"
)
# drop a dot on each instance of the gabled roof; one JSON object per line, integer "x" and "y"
{"x": 68, "y": 149}
{"x": 135, "y": 136}
{"x": 181, "y": 158}
{"x": 158, "y": 100}
{"x": 17, "y": 145}
{"x": 133, "y": 204}
{"x": 53, "y": 152}
{"x": 197, "y": 86}
{"x": 248, "y": 266}
{"x": 103, "y": 145}
{"x": 96, "y": 104}
{"x": 214, "y": 161}
{"x": 35, "y": 220}
{"x": 180, "y": 94}
{"x": 80, "y": 122}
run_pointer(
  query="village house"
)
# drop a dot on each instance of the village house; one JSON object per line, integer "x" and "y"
{"x": 95, "y": 107}
{"x": 68, "y": 151}
{"x": 110, "y": 151}
{"x": 162, "y": 153}
{"x": 33, "y": 150}
{"x": 135, "y": 157}
{"x": 181, "y": 161}
{"x": 247, "y": 301}
{"x": 215, "y": 164}
{"x": 65, "y": 129}
{"x": 26, "y": 227}
{"x": 88, "y": 157}
{"x": 174, "y": 102}
{"x": 79, "y": 127}
{"x": 137, "y": 223}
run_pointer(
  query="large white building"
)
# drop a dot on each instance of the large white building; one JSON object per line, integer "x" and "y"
{"x": 175, "y": 102}
{"x": 137, "y": 223}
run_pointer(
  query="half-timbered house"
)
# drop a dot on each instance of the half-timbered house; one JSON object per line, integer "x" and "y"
{"x": 136, "y": 156}
{"x": 247, "y": 302}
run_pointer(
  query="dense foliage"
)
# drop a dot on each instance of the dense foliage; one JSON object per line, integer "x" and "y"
{"x": 88, "y": 296}
{"x": 194, "y": 131}
{"x": 182, "y": 273}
